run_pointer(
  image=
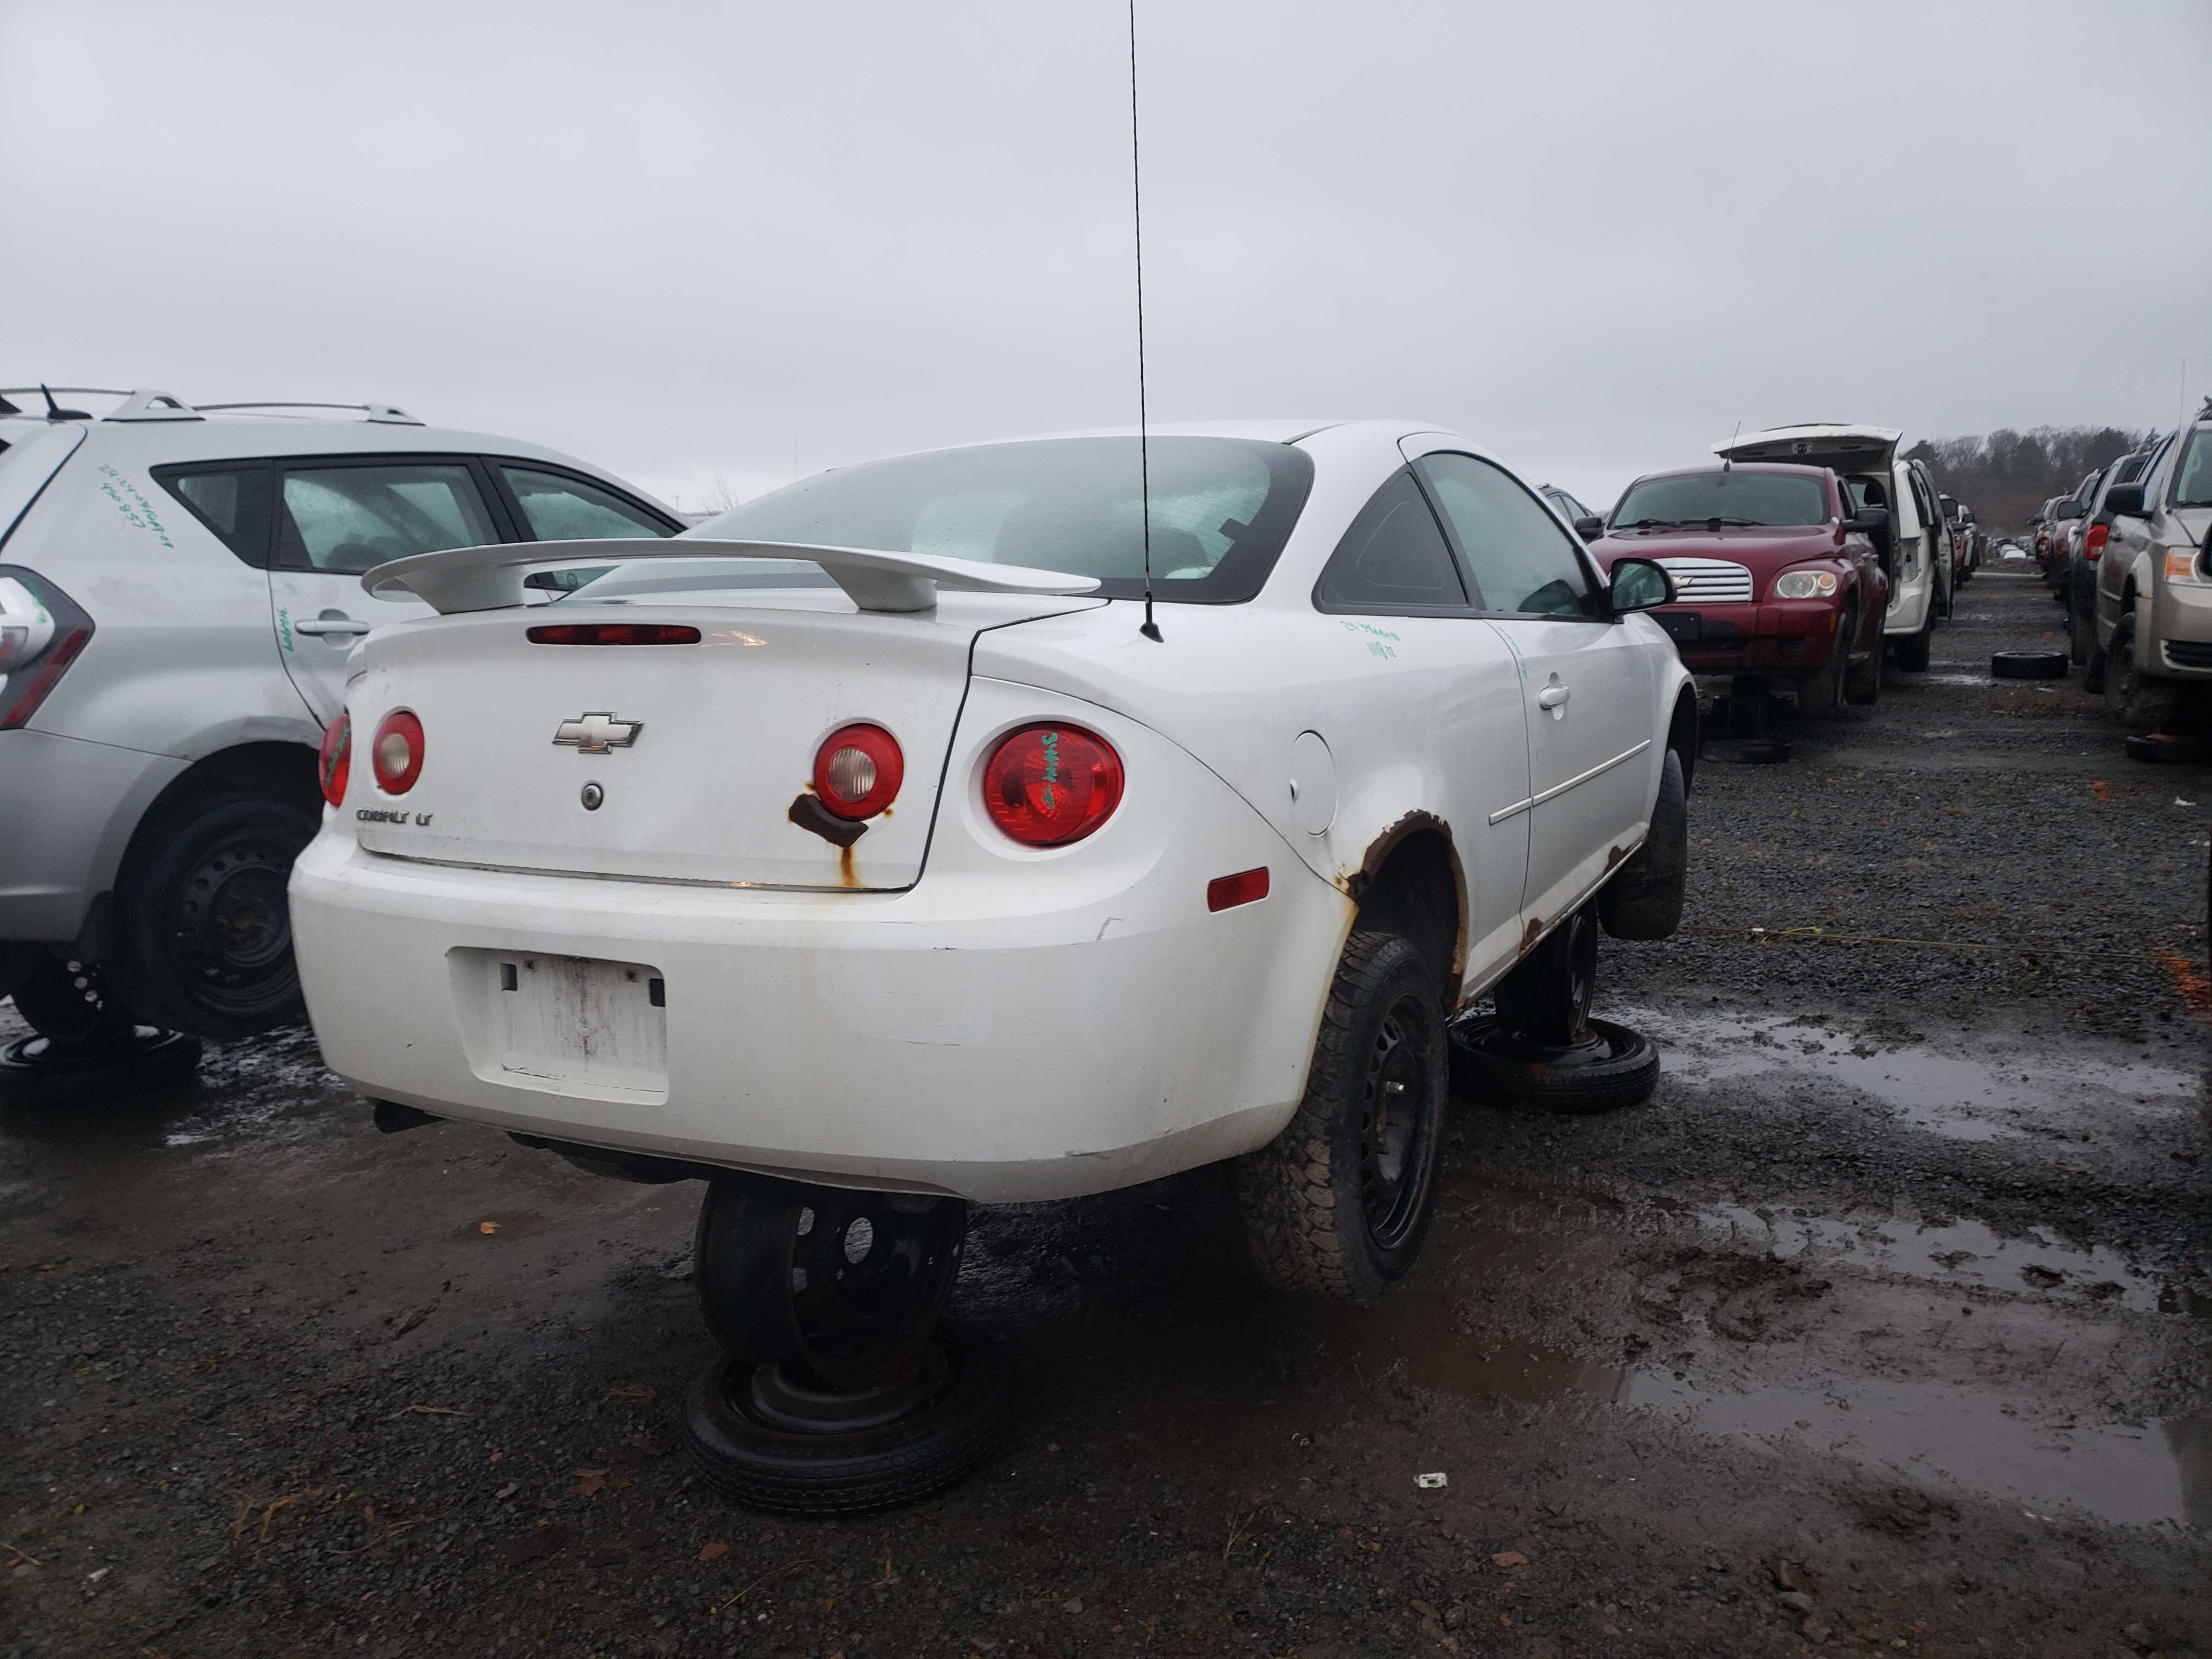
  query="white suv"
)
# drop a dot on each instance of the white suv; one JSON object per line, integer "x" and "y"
{"x": 180, "y": 588}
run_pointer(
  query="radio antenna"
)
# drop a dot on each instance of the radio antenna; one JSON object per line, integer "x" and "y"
{"x": 1728, "y": 461}
{"x": 1151, "y": 630}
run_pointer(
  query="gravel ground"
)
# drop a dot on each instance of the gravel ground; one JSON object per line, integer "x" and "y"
{"x": 1883, "y": 1326}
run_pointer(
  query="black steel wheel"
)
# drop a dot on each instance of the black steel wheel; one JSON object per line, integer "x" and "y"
{"x": 770, "y": 1441}
{"x": 845, "y": 1286}
{"x": 1611, "y": 1067}
{"x": 1546, "y": 998}
{"x": 205, "y": 935}
{"x": 70, "y": 1002}
{"x": 1339, "y": 1203}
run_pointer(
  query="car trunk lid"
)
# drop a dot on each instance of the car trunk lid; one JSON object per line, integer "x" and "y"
{"x": 1849, "y": 449}
{"x": 703, "y": 753}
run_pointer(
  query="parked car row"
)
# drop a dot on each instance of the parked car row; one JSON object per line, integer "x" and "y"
{"x": 2142, "y": 576}
{"x": 1806, "y": 557}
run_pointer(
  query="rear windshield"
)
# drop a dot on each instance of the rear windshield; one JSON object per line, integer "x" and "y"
{"x": 1732, "y": 497}
{"x": 1221, "y": 510}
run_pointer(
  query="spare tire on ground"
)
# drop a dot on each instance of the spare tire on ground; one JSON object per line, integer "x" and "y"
{"x": 2164, "y": 746}
{"x": 42, "y": 1072}
{"x": 1614, "y": 1067}
{"x": 2028, "y": 665}
{"x": 769, "y": 1440}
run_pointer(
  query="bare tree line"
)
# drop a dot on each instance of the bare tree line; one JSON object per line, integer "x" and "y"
{"x": 2004, "y": 475}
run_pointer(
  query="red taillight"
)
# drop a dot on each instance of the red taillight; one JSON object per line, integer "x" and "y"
{"x": 1227, "y": 893}
{"x": 614, "y": 634}
{"x": 858, "y": 771}
{"x": 396, "y": 756}
{"x": 44, "y": 677}
{"x": 2093, "y": 542}
{"x": 335, "y": 765}
{"x": 1047, "y": 786}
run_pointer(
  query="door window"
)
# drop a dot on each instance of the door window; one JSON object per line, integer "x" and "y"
{"x": 1523, "y": 561}
{"x": 346, "y": 520}
{"x": 1394, "y": 559}
{"x": 558, "y": 508}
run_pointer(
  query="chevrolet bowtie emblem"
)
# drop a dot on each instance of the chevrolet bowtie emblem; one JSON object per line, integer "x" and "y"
{"x": 596, "y": 733}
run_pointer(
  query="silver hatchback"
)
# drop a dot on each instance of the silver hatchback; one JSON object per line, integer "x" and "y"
{"x": 179, "y": 590}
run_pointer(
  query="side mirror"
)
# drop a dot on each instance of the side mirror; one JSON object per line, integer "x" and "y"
{"x": 2070, "y": 509}
{"x": 1638, "y": 585}
{"x": 1589, "y": 528}
{"x": 1868, "y": 521}
{"x": 2125, "y": 499}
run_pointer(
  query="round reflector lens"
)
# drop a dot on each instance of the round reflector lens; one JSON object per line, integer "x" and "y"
{"x": 1047, "y": 786}
{"x": 397, "y": 754}
{"x": 858, "y": 771}
{"x": 334, "y": 766}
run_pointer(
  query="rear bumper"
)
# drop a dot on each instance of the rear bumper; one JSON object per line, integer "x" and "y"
{"x": 67, "y": 810}
{"x": 1781, "y": 636}
{"x": 1066, "y": 1025}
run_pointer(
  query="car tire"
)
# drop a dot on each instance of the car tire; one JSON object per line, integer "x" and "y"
{"x": 1862, "y": 689}
{"x": 37, "y": 1072}
{"x": 1914, "y": 649}
{"x": 2028, "y": 665}
{"x": 748, "y": 1449}
{"x": 203, "y": 937}
{"x": 1821, "y": 694}
{"x": 1309, "y": 1199}
{"x": 2165, "y": 748}
{"x": 1615, "y": 1066}
{"x": 1643, "y": 900}
{"x": 2138, "y": 702}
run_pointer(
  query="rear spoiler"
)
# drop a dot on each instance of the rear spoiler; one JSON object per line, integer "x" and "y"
{"x": 491, "y": 578}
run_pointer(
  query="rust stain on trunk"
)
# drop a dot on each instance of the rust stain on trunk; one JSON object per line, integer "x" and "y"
{"x": 847, "y": 875}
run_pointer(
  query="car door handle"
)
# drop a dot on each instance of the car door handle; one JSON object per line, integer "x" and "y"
{"x": 330, "y": 625}
{"x": 1553, "y": 696}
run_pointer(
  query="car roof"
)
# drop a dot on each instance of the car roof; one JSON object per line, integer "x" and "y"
{"x": 1786, "y": 468}
{"x": 153, "y": 427}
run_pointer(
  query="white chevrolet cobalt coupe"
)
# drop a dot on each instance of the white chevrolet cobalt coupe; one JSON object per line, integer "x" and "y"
{"x": 861, "y": 852}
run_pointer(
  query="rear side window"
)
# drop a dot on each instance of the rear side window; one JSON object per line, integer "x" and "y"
{"x": 1394, "y": 559}
{"x": 233, "y": 502}
{"x": 347, "y": 519}
{"x": 1521, "y": 559}
{"x": 558, "y": 508}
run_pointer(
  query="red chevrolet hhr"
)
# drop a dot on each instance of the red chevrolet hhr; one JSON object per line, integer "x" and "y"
{"x": 1773, "y": 575}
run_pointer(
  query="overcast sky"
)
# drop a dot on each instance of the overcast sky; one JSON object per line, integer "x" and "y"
{"x": 703, "y": 244}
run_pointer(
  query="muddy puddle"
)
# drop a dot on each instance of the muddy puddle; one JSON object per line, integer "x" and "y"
{"x": 1943, "y": 1090}
{"x": 1995, "y": 1438}
{"x": 1923, "y": 1353}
